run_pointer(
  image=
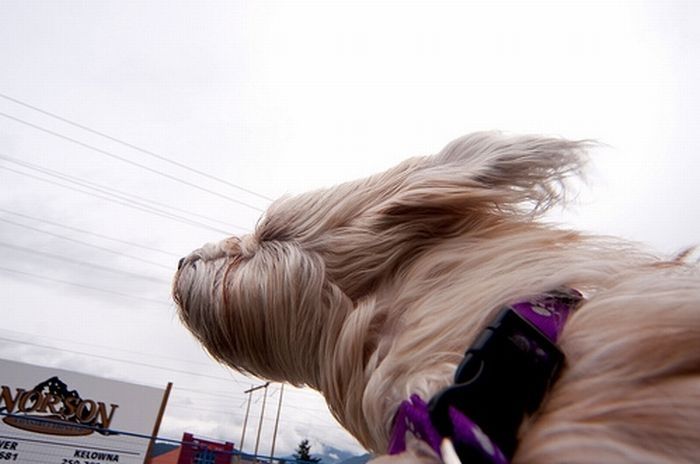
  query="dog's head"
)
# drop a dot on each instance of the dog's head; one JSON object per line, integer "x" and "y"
{"x": 271, "y": 303}
{"x": 262, "y": 307}
{"x": 295, "y": 300}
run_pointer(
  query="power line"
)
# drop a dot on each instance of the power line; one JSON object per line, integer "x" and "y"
{"x": 199, "y": 392}
{"x": 146, "y": 209}
{"x": 128, "y": 161}
{"x": 223, "y": 412}
{"x": 95, "y": 234}
{"x": 304, "y": 408}
{"x": 207, "y": 393}
{"x": 210, "y": 400}
{"x": 118, "y": 198}
{"x": 214, "y": 394}
{"x": 87, "y": 244}
{"x": 81, "y": 263}
{"x": 110, "y": 358}
{"x": 41, "y": 277}
{"x": 109, "y": 190}
{"x": 105, "y": 347}
{"x": 133, "y": 147}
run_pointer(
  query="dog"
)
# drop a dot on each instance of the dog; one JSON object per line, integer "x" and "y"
{"x": 371, "y": 291}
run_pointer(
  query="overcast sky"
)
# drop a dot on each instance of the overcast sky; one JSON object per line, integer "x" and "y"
{"x": 282, "y": 97}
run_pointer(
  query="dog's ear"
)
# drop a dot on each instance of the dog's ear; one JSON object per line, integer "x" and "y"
{"x": 283, "y": 312}
{"x": 364, "y": 228}
{"x": 523, "y": 175}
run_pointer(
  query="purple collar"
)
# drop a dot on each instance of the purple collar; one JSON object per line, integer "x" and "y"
{"x": 503, "y": 376}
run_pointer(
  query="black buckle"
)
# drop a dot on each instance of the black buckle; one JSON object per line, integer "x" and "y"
{"x": 503, "y": 376}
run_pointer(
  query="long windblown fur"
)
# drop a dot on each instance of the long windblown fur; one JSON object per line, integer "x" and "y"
{"x": 371, "y": 291}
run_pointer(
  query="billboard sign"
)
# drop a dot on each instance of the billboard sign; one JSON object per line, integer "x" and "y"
{"x": 50, "y": 415}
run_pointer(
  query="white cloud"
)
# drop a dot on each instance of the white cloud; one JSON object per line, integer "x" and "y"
{"x": 285, "y": 97}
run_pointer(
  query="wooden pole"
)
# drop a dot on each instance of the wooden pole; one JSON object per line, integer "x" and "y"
{"x": 156, "y": 426}
{"x": 277, "y": 422}
{"x": 245, "y": 421}
{"x": 262, "y": 414}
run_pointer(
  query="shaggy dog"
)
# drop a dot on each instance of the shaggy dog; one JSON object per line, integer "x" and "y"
{"x": 371, "y": 291}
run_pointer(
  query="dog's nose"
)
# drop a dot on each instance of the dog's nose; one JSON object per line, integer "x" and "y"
{"x": 180, "y": 263}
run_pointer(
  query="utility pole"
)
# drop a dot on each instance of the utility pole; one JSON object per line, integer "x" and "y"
{"x": 262, "y": 414}
{"x": 247, "y": 410}
{"x": 277, "y": 422}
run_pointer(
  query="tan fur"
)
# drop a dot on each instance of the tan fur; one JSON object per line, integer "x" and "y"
{"x": 371, "y": 291}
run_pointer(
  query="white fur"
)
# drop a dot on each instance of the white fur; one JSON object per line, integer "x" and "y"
{"x": 371, "y": 291}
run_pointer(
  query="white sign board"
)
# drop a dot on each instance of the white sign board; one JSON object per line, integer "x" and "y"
{"x": 55, "y": 416}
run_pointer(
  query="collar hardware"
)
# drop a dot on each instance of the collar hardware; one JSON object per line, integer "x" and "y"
{"x": 494, "y": 397}
{"x": 503, "y": 377}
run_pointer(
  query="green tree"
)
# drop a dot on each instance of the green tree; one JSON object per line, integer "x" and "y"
{"x": 303, "y": 452}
